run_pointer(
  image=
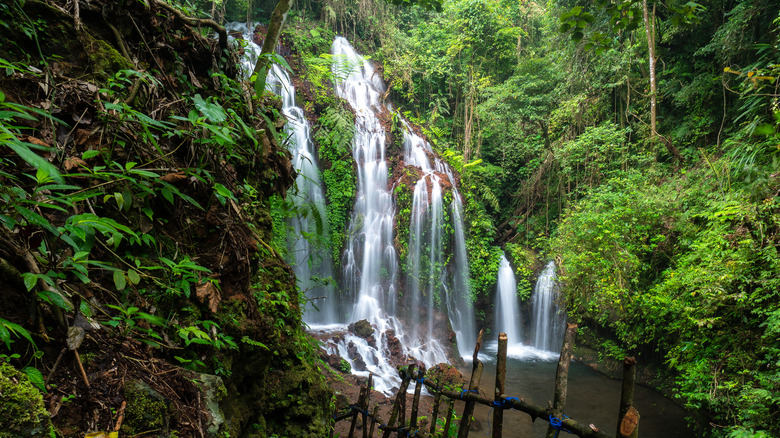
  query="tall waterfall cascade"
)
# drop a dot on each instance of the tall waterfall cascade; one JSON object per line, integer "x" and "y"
{"x": 436, "y": 287}
{"x": 547, "y": 315}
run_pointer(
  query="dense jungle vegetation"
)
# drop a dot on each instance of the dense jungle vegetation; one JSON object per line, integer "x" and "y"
{"x": 636, "y": 142}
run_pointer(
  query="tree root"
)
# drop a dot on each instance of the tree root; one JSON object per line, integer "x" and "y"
{"x": 197, "y": 22}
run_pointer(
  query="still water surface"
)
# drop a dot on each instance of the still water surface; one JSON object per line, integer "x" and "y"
{"x": 592, "y": 397}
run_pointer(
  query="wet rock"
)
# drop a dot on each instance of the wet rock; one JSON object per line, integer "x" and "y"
{"x": 358, "y": 364}
{"x": 213, "y": 390}
{"x": 146, "y": 409}
{"x": 362, "y": 329}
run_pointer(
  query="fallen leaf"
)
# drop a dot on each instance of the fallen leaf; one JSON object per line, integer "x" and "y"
{"x": 207, "y": 293}
{"x": 75, "y": 337}
{"x": 174, "y": 178}
{"x": 74, "y": 163}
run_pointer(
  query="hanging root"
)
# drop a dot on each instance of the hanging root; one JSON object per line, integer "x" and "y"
{"x": 197, "y": 21}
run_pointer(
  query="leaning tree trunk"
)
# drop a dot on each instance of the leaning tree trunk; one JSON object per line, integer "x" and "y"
{"x": 272, "y": 35}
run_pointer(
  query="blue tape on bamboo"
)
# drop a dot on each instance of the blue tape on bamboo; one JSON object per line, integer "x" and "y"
{"x": 557, "y": 424}
{"x": 465, "y": 391}
{"x": 505, "y": 403}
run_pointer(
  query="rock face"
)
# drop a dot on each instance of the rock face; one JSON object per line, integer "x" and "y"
{"x": 146, "y": 409}
{"x": 362, "y": 328}
{"x": 22, "y": 412}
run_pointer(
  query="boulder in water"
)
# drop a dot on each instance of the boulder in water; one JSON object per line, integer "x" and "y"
{"x": 362, "y": 329}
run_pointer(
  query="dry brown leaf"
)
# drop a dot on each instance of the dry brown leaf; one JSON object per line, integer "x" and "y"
{"x": 174, "y": 178}
{"x": 35, "y": 141}
{"x": 207, "y": 293}
{"x": 74, "y": 163}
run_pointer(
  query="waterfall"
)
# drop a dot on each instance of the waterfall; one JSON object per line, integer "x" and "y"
{"x": 437, "y": 294}
{"x": 313, "y": 266}
{"x": 508, "y": 318}
{"x": 451, "y": 286}
{"x": 547, "y": 317}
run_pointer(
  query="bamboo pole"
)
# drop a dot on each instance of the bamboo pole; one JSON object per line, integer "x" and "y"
{"x": 397, "y": 404}
{"x": 561, "y": 379}
{"x": 435, "y": 414}
{"x": 355, "y": 413}
{"x": 364, "y": 404}
{"x": 476, "y": 376}
{"x": 498, "y": 414}
{"x": 420, "y": 372}
{"x": 450, "y": 411}
{"x": 373, "y": 421}
{"x": 628, "y": 416}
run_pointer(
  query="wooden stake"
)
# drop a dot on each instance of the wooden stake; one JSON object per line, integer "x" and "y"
{"x": 476, "y": 376}
{"x": 416, "y": 402}
{"x": 435, "y": 414}
{"x": 498, "y": 412}
{"x": 450, "y": 411}
{"x": 397, "y": 405}
{"x": 561, "y": 376}
{"x": 355, "y": 413}
{"x": 373, "y": 421}
{"x": 364, "y": 404}
{"x": 628, "y": 419}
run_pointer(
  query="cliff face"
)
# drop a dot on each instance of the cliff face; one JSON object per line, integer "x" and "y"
{"x": 136, "y": 258}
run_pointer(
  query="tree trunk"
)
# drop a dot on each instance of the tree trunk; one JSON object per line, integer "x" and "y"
{"x": 650, "y": 31}
{"x": 272, "y": 34}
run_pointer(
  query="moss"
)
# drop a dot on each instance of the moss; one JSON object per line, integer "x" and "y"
{"x": 22, "y": 412}
{"x": 103, "y": 58}
{"x": 146, "y": 409}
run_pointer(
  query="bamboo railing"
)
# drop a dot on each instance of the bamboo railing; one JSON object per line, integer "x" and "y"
{"x": 628, "y": 418}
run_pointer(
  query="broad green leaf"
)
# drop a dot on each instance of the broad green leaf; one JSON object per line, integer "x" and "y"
{"x": 119, "y": 280}
{"x": 89, "y": 154}
{"x": 35, "y": 376}
{"x": 133, "y": 276}
{"x": 25, "y": 153}
{"x": 212, "y": 111}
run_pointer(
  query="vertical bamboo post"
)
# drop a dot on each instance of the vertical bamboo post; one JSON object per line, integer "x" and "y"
{"x": 397, "y": 404}
{"x": 628, "y": 416}
{"x": 476, "y": 376}
{"x": 450, "y": 411}
{"x": 435, "y": 414}
{"x": 364, "y": 404}
{"x": 498, "y": 412}
{"x": 419, "y": 373}
{"x": 373, "y": 421}
{"x": 561, "y": 376}
{"x": 355, "y": 413}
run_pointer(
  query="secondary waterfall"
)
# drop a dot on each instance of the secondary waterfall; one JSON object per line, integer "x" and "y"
{"x": 508, "y": 319}
{"x": 547, "y": 317}
{"x": 312, "y": 265}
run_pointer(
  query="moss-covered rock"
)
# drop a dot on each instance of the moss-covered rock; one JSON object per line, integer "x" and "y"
{"x": 146, "y": 409}
{"x": 22, "y": 412}
{"x": 213, "y": 392}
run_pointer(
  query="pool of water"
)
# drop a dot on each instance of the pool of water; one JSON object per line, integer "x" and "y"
{"x": 592, "y": 397}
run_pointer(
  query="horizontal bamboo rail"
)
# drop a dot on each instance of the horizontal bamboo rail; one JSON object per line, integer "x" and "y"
{"x": 628, "y": 415}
